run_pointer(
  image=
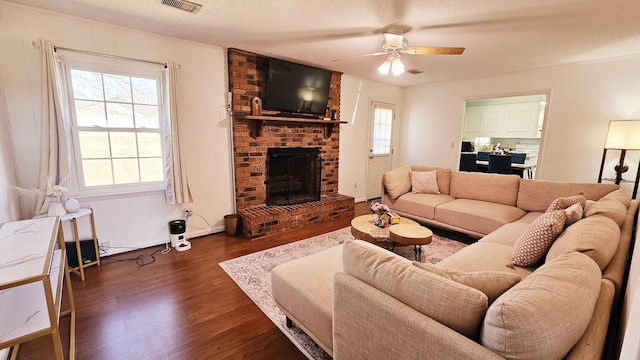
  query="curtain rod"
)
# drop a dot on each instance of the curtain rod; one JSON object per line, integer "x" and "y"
{"x": 55, "y": 47}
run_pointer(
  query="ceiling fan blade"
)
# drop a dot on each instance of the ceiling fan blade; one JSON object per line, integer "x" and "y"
{"x": 422, "y": 50}
{"x": 311, "y": 36}
{"x": 364, "y": 55}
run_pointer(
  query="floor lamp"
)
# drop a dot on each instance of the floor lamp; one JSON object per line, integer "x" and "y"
{"x": 623, "y": 135}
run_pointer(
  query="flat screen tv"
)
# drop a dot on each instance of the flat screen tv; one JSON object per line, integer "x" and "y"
{"x": 297, "y": 88}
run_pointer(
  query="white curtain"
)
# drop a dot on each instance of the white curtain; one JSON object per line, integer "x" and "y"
{"x": 54, "y": 151}
{"x": 177, "y": 185}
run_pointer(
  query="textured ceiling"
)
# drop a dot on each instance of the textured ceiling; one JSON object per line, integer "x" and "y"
{"x": 499, "y": 35}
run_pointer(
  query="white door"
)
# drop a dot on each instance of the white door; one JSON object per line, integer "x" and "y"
{"x": 380, "y": 147}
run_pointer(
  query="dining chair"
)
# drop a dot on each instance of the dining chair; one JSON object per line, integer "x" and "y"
{"x": 468, "y": 162}
{"x": 500, "y": 164}
{"x": 518, "y": 158}
{"x": 483, "y": 155}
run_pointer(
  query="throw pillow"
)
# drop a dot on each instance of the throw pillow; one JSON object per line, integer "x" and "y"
{"x": 424, "y": 182}
{"x": 534, "y": 243}
{"x": 457, "y": 306}
{"x": 564, "y": 202}
{"x": 574, "y": 213}
{"x": 491, "y": 283}
{"x": 546, "y": 314}
{"x": 397, "y": 181}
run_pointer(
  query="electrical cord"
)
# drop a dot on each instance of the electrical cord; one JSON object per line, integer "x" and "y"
{"x": 140, "y": 258}
{"x": 200, "y": 216}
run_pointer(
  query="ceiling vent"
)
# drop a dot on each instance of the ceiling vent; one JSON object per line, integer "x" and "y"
{"x": 415, "y": 71}
{"x": 182, "y": 5}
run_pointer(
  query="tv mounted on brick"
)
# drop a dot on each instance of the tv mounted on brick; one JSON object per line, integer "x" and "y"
{"x": 297, "y": 89}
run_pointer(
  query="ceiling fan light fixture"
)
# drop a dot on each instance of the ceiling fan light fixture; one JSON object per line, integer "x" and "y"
{"x": 385, "y": 67}
{"x": 397, "y": 67}
{"x": 394, "y": 40}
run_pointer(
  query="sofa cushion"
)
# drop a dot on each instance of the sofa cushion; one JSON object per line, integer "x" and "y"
{"x": 621, "y": 196}
{"x": 507, "y": 234}
{"x": 397, "y": 181}
{"x": 530, "y": 217}
{"x": 479, "y": 216}
{"x": 455, "y": 305}
{"x": 309, "y": 302}
{"x": 536, "y": 195}
{"x": 545, "y": 314}
{"x": 421, "y": 205}
{"x": 562, "y": 203}
{"x": 424, "y": 182}
{"x": 491, "y": 283}
{"x": 573, "y": 213}
{"x": 495, "y": 188}
{"x": 596, "y": 236}
{"x": 534, "y": 243}
{"x": 483, "y": 256}
{"x": 443, "y": 175}
{"x": 610, "y": 208}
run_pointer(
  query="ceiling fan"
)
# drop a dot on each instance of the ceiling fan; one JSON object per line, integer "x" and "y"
{"x": 395, "y": 44}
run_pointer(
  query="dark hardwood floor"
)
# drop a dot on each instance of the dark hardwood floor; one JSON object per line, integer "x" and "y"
{"x": 182, "y": 306}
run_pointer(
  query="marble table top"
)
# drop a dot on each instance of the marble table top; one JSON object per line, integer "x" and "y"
{"x": 25, "y": 249}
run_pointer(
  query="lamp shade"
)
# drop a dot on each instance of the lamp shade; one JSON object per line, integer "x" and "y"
{"x": 623, "y": 134}
{"x": 397, "y": 67}
{"x": 385, "y": 66}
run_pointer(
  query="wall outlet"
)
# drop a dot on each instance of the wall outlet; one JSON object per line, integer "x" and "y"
{"x": 106, "y": 244}
{"x": 355, "y": 185}
{"x": 187, "y": 212}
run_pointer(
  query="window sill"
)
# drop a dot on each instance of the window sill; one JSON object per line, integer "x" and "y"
{"x": 119, "y": 195}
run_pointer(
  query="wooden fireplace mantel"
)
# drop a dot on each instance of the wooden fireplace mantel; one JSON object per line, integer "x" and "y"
{"x": 257, "y": 122}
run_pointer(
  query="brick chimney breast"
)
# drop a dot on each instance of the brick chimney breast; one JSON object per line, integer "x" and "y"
{"x": 247, "y": 79}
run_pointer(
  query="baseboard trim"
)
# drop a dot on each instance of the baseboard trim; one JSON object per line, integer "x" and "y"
{"x": 203, "y": 232}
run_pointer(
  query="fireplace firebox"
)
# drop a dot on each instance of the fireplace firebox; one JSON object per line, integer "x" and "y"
{"x": 293, "y": 175}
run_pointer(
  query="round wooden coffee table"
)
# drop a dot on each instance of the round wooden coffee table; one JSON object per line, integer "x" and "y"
{"x": 411, "y": 235}
{"x": 407, "y": 232}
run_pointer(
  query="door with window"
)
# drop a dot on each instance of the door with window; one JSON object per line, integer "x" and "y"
{"x": 380, "y": 146}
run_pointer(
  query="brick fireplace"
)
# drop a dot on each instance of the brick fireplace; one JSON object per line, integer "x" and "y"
{"x": 247, "y": 79}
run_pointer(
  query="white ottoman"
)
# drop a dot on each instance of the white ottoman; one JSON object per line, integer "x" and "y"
{"x": 303, "y": 289}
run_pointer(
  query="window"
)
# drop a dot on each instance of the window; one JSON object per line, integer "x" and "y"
{"x": 117, "y": 124}
{"x": 382, "y": 125}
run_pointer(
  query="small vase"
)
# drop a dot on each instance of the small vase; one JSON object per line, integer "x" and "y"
{"x": 55, "y": 208}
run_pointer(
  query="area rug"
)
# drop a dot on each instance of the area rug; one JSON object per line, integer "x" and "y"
{"x": 252, "y": 273}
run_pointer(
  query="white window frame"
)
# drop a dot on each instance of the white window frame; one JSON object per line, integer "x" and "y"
{"x": 105, "y": 64}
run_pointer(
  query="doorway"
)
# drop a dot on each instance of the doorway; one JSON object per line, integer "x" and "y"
{"x": 380, "y": 146}
{"x": 508, "y": 124}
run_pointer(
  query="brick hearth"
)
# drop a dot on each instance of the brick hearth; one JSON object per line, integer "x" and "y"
{"x": 247, "y": 79}
{"x": 269, "y": 220}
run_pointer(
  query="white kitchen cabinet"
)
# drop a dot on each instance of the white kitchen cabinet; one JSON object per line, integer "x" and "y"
{"x": 518, "y": 120}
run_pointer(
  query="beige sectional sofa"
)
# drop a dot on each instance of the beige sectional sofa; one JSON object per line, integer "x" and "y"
{"x": 475, "y": 304}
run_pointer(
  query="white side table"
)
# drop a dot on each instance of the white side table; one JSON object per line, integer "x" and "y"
{"x": 73, "y": 219}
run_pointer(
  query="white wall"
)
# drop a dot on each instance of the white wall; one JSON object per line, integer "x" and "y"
{"x": 138, "y": 221}
{"x": 354, "y": 136}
